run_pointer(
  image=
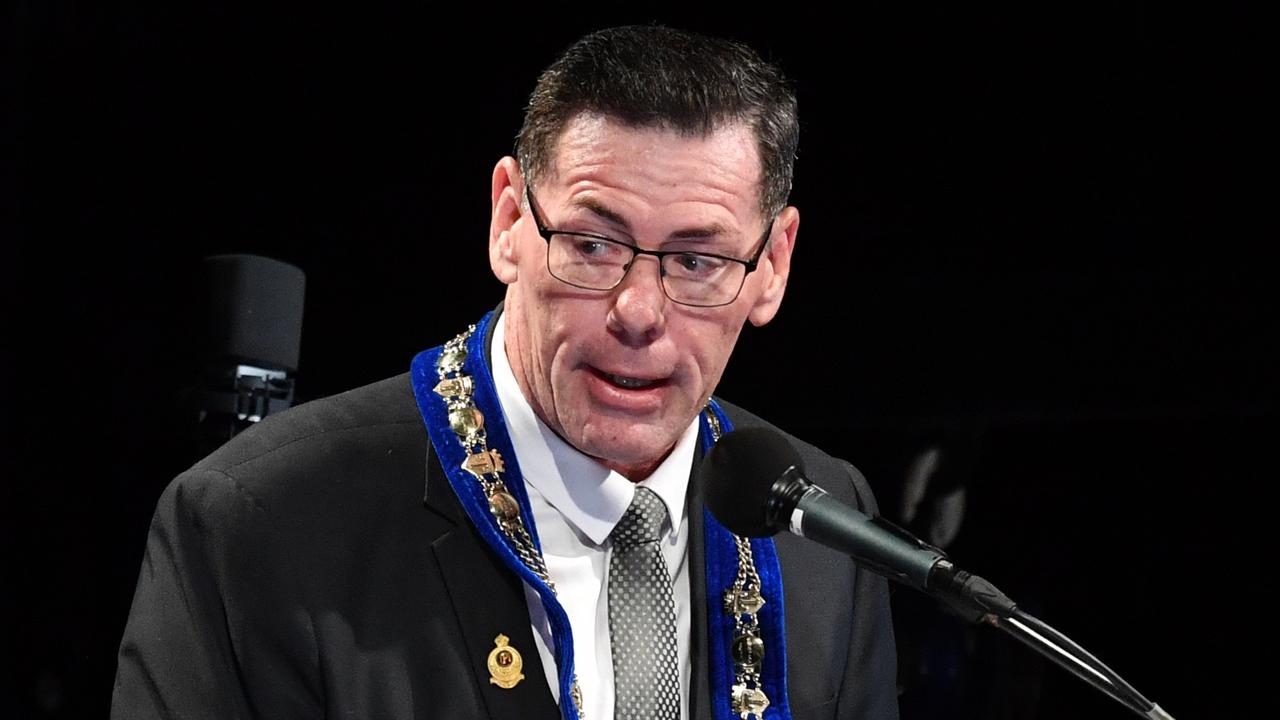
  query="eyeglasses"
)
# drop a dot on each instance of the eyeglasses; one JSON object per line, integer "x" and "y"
{"x": 595, "y": 262}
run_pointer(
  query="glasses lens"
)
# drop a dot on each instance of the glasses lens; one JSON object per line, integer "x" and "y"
{"x": 703, "y": 280}
{"x": 588, "y": 262}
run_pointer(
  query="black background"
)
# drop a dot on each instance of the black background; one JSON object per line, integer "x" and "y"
{"x": 1026, "y": 237}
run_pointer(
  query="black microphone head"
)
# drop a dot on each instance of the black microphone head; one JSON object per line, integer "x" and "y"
{"x": 253, "y": 311}
{"x": 739, "y": 474}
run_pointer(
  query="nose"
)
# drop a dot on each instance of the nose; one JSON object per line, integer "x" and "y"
{"x": 638, "y": 314}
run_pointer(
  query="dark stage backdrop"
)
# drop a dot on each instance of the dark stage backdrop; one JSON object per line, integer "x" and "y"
{"x": 1026, "y": 243}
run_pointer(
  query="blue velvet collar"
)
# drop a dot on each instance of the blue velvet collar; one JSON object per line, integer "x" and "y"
{"x": 721, "y": 552}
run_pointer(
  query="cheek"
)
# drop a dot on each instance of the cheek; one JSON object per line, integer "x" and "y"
{"x": 560, "y": 330}
{"x": 715, "y": 341}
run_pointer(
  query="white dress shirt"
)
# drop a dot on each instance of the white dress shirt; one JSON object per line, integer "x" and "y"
{"x": 576, "y": 502}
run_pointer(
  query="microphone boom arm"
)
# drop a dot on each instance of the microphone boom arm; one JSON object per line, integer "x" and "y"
{"x": 895, "y": 553}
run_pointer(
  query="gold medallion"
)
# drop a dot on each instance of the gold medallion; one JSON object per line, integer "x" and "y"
{"x": 453, "y": 358}
{"x": 465, "y": 421}
{"x": 503, "y": 507}
{"x": 748, "y": 652}
{"x": 505, "y": 664}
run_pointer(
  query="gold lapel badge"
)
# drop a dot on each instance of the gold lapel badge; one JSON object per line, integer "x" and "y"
{"x": 505, "y": 664}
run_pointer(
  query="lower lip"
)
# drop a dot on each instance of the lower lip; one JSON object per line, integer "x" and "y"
{"x": 646, "y": 399}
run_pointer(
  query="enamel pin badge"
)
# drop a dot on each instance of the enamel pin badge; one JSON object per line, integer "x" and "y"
{"x": 505, "y": 664}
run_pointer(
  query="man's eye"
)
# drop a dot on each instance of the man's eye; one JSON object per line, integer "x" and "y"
{"x": 590, "y": 247}
{"x": 694, "y": 264}
{"x": 596, "y": 249}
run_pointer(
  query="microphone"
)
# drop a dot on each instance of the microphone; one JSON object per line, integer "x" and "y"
{"x": 253, "y": 332}
{"x": 756, "y": 486}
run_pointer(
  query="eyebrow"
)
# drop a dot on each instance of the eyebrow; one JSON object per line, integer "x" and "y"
{"x": 593, "y": 206}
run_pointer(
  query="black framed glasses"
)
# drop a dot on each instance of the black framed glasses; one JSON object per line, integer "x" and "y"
{"x": 595, "y": 262}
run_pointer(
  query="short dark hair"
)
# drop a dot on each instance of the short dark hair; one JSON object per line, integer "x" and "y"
{"x": 654, "y": 76}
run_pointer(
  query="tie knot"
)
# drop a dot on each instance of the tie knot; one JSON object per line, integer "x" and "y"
{"x": 642, "y": 522}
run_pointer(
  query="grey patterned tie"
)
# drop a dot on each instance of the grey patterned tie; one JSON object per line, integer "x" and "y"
{"x": 642, "y": 616}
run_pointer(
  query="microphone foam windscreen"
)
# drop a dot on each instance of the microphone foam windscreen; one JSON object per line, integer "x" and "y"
{"x": 738, "y": 475}
{"x": 254, "y": 310}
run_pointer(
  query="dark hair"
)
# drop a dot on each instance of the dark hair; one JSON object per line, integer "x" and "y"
{"x": 653, "y": 76}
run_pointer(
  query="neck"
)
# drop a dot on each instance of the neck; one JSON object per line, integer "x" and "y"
{"x": 635, "y": 473}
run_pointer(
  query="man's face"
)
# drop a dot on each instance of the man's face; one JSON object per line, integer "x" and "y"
{"x": 620, "y": 374}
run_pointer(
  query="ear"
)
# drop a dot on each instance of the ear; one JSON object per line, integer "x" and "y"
{"x": 506, "y": 189}
{"x": 775, "y": 266}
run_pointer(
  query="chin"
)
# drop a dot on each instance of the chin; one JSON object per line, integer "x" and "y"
{"x": 630, "y": 445}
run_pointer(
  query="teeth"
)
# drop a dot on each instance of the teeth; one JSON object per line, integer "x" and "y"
{"x": 630, "y": 383}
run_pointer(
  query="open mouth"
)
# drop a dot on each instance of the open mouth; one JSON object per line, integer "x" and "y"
{"x": 628, "y": 383}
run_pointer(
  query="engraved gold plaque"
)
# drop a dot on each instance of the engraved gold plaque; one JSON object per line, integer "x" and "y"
{"x": 505, "y": 664}
{"x": 745, "y": 602}
{"x": 483, "y": 463}
{"x": 748, "y": 701}
{"x": 450, "y": 387}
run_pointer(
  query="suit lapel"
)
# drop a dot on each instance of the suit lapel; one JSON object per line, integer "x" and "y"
{"x": 487, "y": 601}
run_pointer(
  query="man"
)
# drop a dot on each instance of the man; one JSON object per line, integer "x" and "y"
{"x": 561, "y": 563}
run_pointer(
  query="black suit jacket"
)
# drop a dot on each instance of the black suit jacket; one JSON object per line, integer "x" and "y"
{"x": 320, "y": 565}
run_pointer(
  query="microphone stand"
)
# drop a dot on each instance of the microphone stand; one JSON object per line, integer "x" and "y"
{"x": 977, "y": 600}
{"x": 882, "y": 547}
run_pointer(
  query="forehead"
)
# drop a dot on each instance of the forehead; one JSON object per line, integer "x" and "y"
{"x": 663, "y": 165}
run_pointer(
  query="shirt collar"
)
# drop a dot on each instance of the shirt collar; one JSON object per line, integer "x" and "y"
{"x": 589, "y": 495}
